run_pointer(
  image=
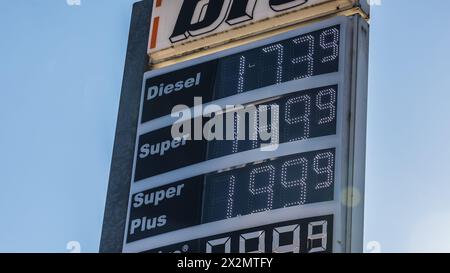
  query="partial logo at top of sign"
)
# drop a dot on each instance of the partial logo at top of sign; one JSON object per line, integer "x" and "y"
{"x": 181, "y": 21}
{"x": 201, "y": 17}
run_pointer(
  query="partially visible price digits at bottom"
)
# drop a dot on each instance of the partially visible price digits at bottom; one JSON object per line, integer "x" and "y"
{"x": 311, "y": 235}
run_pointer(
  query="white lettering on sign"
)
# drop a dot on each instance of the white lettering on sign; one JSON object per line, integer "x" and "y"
{"x": 145, "y": 224}
{"x": 156, "y": 198}
{"x": 165, "y": 89}
{"x": 161, "y": 148}
{"x": 177, "y": 21}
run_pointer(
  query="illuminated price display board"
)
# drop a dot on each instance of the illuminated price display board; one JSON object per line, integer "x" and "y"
{"x": 232, "y": 195}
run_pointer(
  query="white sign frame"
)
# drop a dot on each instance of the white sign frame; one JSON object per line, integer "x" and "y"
{"x": 347, "y": 226}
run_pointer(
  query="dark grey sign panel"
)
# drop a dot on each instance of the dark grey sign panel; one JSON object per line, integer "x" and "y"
{"x": 164, "y": 92}
{"x": 165, "y": 209}
{"x": 158, "y": 152}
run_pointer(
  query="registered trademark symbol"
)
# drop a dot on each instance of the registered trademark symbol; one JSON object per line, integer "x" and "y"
{"x": 185, "y": 248}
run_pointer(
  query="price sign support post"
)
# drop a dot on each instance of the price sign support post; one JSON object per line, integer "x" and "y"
{"x": 122, "y": 158}
{"x": 357, "y": 137}
{"x": 232, "y": 196}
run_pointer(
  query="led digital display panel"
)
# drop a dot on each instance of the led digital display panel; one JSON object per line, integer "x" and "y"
{"x": 164, "y": 209}
{"x": 283, "y": 182}
{"x": 304, "y": 56}
{"x": 164, "y": 92}
{"x": 301, "y": 115}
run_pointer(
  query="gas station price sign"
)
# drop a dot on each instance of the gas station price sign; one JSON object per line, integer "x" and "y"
{"x": 232, "y": 196}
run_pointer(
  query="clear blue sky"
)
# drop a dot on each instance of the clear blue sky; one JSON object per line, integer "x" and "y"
{"x": 60, "y": 73}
